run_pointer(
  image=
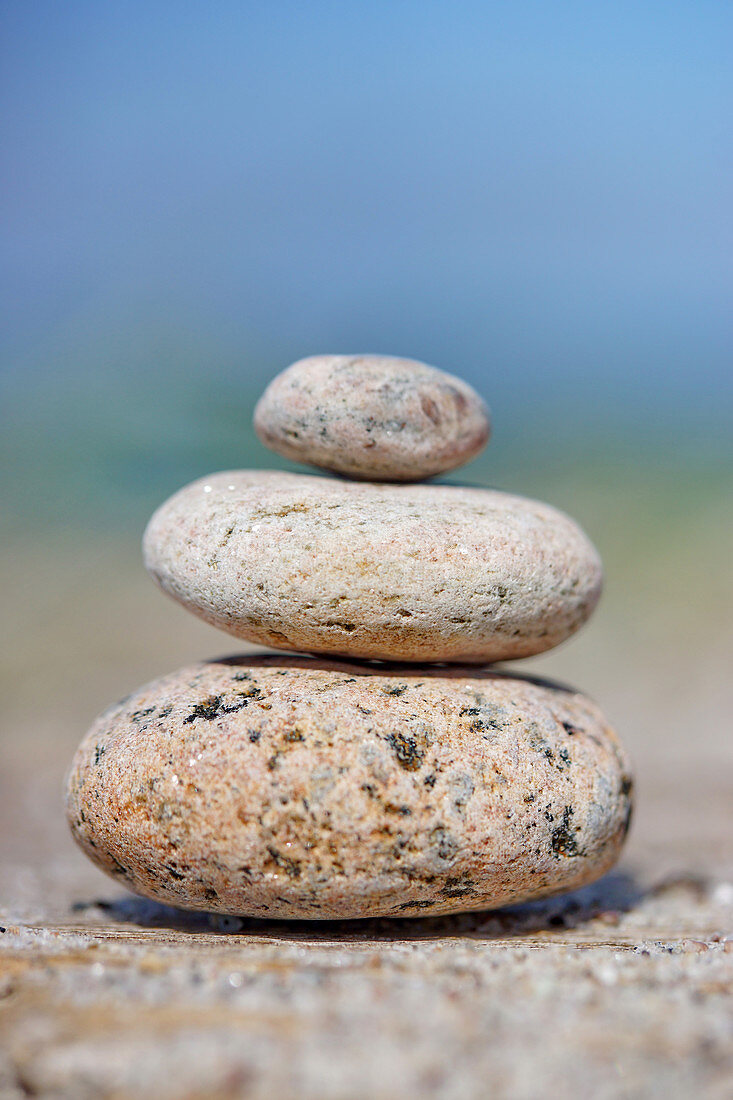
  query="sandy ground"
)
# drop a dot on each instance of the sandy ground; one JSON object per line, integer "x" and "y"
{"x": 621, "y": 990}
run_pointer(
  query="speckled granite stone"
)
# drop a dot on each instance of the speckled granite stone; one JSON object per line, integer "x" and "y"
{"x": 372, "y": 417}
{"x": 299, "y": 788}
{"x": 417, "y": 573}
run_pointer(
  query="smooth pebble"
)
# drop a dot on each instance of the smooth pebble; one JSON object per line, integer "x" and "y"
{"x": 291, "y": 787}
{"x": 417, "y": 573}
{"x": 372, "y": 417}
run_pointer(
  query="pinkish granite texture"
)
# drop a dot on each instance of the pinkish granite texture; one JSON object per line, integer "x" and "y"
{"x": 372, "y": 417}
{"x": 416, "y": 573}
{"x": 291, "y": 787}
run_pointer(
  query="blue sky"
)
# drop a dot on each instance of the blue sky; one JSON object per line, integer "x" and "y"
{"x": 536, "y": 196}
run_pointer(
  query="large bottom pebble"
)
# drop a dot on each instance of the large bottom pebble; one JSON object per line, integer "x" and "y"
{"x": 302, "y": 788}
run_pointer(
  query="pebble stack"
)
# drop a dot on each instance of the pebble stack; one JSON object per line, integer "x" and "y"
{"x": 386, "y": 770}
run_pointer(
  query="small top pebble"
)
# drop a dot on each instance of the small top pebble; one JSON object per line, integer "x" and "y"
{"x": 372, "y": 417}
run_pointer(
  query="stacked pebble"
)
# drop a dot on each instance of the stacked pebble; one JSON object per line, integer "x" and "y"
{"x": 346, "y": 785}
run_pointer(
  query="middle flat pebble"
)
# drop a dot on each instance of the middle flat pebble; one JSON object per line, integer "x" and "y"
{"x": 417, "y": 573}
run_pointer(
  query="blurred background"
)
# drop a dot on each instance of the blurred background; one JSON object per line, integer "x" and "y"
{"x": 533, "y": 196}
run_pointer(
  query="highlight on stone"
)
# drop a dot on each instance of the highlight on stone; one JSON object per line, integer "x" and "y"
{"x": 321, "y": 786}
